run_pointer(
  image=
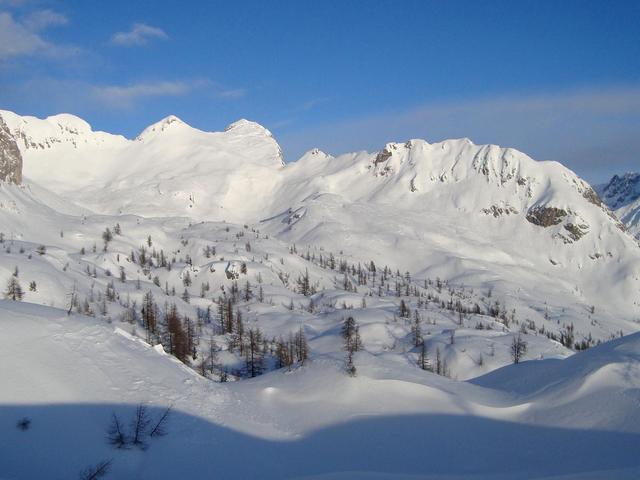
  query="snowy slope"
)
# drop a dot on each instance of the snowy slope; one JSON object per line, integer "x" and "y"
{"x": 622, "y": 195}
{"x": 577, "y": 390}
{"x": 69, "y": 374}
{"x": 70, "y": 264}
{"x": 482, "y": 245}
{"x": 481, "y": 217}
{"x": 459, "y": 211}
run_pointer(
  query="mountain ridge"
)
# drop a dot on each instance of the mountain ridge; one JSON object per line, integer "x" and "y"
{"x": 622, "y": 195}
{"x": 410, "y": 196}
{"x": 444, "y": 256}
{"x": 206, "y": 174}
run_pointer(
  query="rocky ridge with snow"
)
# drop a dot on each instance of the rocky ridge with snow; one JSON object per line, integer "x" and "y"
{"x": 10, "y": 157}
{"x": 622, "y": 194}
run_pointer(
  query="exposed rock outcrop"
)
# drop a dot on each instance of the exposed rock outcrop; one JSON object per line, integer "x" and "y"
{"x": 498, "y": 211}
{"x": 10, "y": 157}
{"x": 546, "y": 216}
{"x": 576, "y": 231}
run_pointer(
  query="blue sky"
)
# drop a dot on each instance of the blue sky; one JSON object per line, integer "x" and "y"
{"x": 558, "y": 80}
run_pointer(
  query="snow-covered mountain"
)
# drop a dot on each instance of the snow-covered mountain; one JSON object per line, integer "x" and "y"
{"x": 477, "y": 214}
{"x": 445, "y": 256}
{"x": 169, "y": 169}
{"x": 622, "y": 194}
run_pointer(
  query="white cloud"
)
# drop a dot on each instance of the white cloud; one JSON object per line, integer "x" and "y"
{"x": 231, "y": 93}
{"x": 140, "y": 34}
{"x": 41, "y": 19}
{"x": 21, "y": 38}
{"x": 127, "y": 95}
{"x": 72, "y": 95}
{"x": 16, "y": 39}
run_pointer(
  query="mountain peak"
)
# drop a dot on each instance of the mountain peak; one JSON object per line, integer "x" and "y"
{"x": 53, "y": 125}
{"x": 167, "y": 123}
{"x": 247, "y": 126}
{"x": 70, "y": 123}
{"x": 253, "y": 133}
{"x": 316, "y": 153}
{"x": 622, "y": 190}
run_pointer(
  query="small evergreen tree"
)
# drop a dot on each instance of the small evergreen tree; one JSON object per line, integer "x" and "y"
{"x": 351, "y": 368}
{"x": 301, "y": 346}
{"x": 423, "y": 358}
{"x": 14, "y": 290}
{"x": 254, "y": 355}
{"x": 185, "y": 296}
{"x": 107, "y": 236}
{"x": 304, "y": 286}
{"x": 518, "y": 349}
{"x": 404, "y": 310}
{"x": 416, "y": 331}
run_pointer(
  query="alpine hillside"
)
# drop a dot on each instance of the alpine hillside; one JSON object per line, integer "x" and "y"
{"x": 417, "y": 312}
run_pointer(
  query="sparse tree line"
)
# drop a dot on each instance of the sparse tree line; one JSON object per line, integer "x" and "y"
{"x": 401, "y": 285}
{"x": 184, "y": 337}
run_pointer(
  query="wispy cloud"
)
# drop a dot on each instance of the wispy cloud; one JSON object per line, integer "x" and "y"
{"x": 13, "y": 3}
{"x": 41, "y": 19}
{"x": 16, "y": 39}
{"x": 229, "y": 93}
{"x": 140, "y": 34}
{"x": 592, "y": 131}
{"x": 126, "y": 96}
{"x": 72, "y": 95}
{"x": 120, "y": 96}
{"x": 21, "y": 38}
{"x": 311, "y": 104}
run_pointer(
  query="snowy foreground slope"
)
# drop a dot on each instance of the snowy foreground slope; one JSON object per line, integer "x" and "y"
{"x": 574, "y": 418}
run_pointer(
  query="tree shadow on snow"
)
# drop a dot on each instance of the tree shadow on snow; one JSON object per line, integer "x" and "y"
{"x": 63, "y": 439}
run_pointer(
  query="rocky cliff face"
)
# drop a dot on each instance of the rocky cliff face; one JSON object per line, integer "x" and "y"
{"x": 10, "y": 157}
{"x": 622, "y": 195}
{"x": 621, "y": 190}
